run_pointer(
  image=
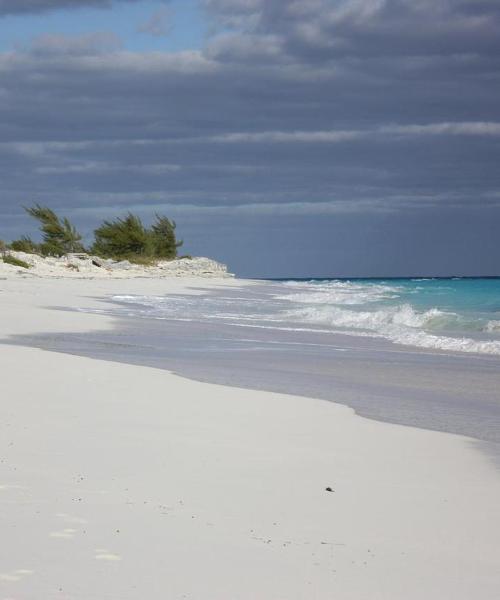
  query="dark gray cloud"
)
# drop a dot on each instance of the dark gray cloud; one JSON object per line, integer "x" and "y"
{"x": 12, "y": 7}
{"x": 324, "y": 29}
{"x": 297, "y": 116}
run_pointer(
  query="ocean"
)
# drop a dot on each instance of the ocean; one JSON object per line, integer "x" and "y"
{"x": 460, "y": 315}
{"x": 419, "y": 352}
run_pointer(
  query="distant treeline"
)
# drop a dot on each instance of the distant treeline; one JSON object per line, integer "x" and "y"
{"x": 121, "y": 238}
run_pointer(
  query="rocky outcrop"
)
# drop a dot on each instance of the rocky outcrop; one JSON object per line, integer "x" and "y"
{"x": 85, "y": 266}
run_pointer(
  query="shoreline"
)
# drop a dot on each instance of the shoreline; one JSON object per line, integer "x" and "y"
{"x": 428, "y": 389}
{"x": 129, "y": 480}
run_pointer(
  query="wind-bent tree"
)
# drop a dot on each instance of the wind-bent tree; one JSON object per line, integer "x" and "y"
{"x": 59, "y": 235}
{"x": 164, "y": 241}
{"x": 123, "y": 238}
{"x": 128, "y": 238}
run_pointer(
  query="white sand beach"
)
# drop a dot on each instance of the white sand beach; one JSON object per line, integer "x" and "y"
{"x": 124, "y": 482}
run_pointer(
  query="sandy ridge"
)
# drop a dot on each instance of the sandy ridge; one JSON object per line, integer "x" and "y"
{"x": 83, "y": 266}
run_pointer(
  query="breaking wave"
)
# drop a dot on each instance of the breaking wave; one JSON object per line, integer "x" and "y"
{"x": 377, "y": 309}
{"x": 402, "y": 325}
{"x": 450, "y": 315}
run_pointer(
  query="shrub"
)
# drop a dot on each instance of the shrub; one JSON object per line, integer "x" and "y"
{"x": 145, "y": 261}
{"x": 25, "y": 244}
{"x": 59, "y": 236}
{"x": 16, "y": 262}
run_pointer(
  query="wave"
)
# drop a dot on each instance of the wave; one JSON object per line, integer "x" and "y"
{"x": 336, "y": 316}
{"x": 339, "y": 292}
{"x": 379, "y": 309}
{"x": 493, "y": 326}
{"x": 399, "y": 312}
{"x": 403, "y": 325}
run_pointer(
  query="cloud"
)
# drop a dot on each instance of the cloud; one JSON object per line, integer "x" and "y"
{"x": 12, "y": 7}
{"x": 159, "y": 23}
{"x": 248, "y": 49}
{"x": 339, "y": 136}
{"x": 349, "y": 106}
{"x": 467, "y": 128}
{"x": 98, "y": 43}
{"x": 313, "y": 30}
{"x": 289, "y": 137}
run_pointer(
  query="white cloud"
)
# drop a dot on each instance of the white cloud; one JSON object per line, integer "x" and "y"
{"x": 339, "y": 136}
{"x": 288, "y": 137}
{"x": 473, "y": 128}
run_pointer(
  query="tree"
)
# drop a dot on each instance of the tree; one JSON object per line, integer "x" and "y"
{"x": 123, "y": 238}
{"x": 59, "y": 236}
{"x": 165, "y": 243}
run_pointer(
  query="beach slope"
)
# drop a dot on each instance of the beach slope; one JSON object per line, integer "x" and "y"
{"x": 125, "y": 482}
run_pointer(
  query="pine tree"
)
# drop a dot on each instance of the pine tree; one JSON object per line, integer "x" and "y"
{"x": 123, "y": 238}
{"x": 165, "y": 243}
{"x": 59, "y": 236}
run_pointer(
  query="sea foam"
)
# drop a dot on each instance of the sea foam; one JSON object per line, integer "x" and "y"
{"x": 377, "y": 309}
{"x": 425, "y": 313}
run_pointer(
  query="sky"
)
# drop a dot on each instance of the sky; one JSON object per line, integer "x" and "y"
{"x": 287, "y": 138}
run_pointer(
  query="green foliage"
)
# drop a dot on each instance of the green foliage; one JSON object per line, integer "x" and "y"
{"x": 3, "y": 246}
{"x": 25, "y": 244}
{"x": 17, "y": 262}
{"x": 164, "y": 241}
{"x": 127, "y": 238}
{"x": 122, "y": 238}
{"x": 59, "y": 235}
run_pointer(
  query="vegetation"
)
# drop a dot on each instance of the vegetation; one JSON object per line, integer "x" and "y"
{"x": 127, "y": 238}
{"x": 119, "y": 239}
{"x": 165, "y": 243}
{"x": 122, "y": 238}
{"x": 25, "y": 244}
{"x": 17, "y": 262}
{"x": 59, "y": 235}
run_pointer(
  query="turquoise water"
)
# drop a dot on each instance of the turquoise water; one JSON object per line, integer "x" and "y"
{"x": 424, "y": 353}
{"x": 446, "y": 314}
{"x": 457, "y": 315}
{"x": 468, "y": 296}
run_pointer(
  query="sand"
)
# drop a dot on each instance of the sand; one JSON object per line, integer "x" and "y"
{"x": 126, "y": 482}
{"x": 85, "y": 266}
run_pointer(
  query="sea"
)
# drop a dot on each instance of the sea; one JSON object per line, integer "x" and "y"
{"x": 457, "y": 314}
{"x": 422, "y": 352}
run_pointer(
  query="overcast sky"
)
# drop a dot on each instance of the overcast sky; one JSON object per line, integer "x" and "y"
{"x": 285, "y": 137}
